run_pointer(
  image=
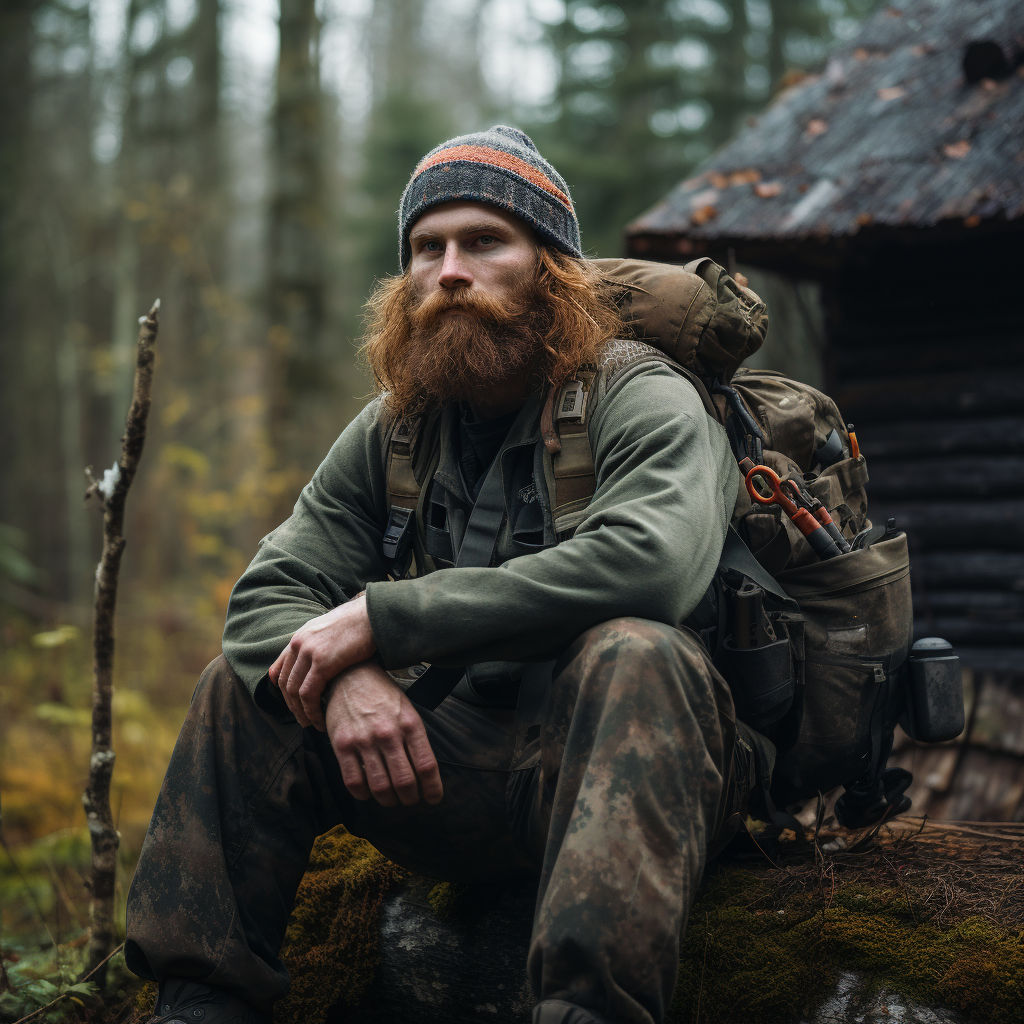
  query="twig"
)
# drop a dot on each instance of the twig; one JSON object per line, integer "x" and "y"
{"x": 111, "y": 491}
{"x": 64, "y": 995}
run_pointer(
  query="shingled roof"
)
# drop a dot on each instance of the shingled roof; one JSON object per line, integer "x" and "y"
{"x": 915, "y": 122}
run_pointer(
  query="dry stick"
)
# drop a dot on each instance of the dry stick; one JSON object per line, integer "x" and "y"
{"x": 111, "y": 491}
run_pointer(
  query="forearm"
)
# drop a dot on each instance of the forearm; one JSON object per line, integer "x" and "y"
{"x": 648, "y": 547}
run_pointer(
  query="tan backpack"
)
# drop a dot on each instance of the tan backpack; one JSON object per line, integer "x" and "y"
{"x": 813, "y": 649}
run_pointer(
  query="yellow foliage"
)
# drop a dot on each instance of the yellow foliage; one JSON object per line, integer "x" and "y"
{"x": 56, "y": 637}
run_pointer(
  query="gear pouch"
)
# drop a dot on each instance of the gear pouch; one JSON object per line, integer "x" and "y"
{"x": 857, "y": 631}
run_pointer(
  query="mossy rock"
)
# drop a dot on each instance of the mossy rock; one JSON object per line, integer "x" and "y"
{"x": 924, "y": 928}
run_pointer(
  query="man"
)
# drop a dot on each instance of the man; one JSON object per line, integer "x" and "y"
{"x": 589, "y": 742}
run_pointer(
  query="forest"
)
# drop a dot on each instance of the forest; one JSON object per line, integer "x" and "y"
{"x": 242, "y": 160}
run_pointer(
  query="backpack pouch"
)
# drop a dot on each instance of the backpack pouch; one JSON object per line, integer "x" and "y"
{"x": 858, "y": 623}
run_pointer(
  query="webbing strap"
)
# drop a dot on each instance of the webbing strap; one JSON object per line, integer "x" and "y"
{"x": 736, "y": 555}
{"x": 477, "y": 548}
{"x": 484, "y": 521}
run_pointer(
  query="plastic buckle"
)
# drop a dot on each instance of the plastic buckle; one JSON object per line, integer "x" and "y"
{"x": 570, "y": 405}
{"x": 397, "y": 534}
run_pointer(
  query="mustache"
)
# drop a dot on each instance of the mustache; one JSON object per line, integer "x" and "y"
{"x": 487, "y": 309}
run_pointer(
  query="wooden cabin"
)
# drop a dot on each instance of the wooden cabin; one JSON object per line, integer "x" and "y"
{"x": 894, "y": 181}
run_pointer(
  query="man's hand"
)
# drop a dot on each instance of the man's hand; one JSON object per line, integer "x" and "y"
{"x": 317, "y": 652}
{"x": 379, "y": 739}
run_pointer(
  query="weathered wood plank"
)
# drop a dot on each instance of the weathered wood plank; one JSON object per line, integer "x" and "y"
{"x": 960, "y": 525}
{"x": 989, "y": 786}
{"x": 1001, "y": 435}
{"x": 998, "y": 721}
{"x": 894, "y": 345}
{"x": 995, "y": 570}
{"x": 961, "y": 629}
{"x": 980, "y": 476}
{"x": 981, "y": 393}
{"x": 993, "y": 605}
{"x": 989, "y": 659}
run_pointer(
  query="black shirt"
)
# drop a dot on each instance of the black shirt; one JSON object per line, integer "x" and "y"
{"x": 479, "y": 443}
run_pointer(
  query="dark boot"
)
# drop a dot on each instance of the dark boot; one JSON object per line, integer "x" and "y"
{"x": 188, "y": 1002}
{"x": 554, "y": 1011}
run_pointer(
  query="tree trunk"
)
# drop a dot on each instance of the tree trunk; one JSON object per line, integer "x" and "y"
{"x": 297, "y": 220}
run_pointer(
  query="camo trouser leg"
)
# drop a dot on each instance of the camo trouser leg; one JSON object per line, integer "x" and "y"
{"x": 635, "y": 753}
{"x": 243, "y": 800}
{"x": 615, "y": 802}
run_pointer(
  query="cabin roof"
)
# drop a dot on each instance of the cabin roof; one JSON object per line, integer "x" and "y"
{"x": 917, "y": 120}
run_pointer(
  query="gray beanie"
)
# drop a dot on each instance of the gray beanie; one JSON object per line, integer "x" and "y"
{"x": 502, "y": 167}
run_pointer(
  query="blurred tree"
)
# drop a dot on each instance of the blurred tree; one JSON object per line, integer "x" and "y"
{"x": 648, "y": 88}
{"x": 48, "y": 203}
{"x": 427, "y": 86}
{"x": 17, "y": 35}
{"x": 298, "y": 219}
{"x": 169, "y": 210}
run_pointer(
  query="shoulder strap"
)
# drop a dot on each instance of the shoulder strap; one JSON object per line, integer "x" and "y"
{"x": 564, "y": 429}
{"x": 403, "y": 488}
{"x": 567, "y": 412}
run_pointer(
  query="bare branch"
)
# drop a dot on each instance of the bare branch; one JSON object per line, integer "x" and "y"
{"x": 111, "y": 491}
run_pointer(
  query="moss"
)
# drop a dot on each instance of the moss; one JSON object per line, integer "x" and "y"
{"x": 332, "y": 945}
{"x": 748, "y": 958}
{"x": 763, "y": 946}
{"x": 450, "y": 901}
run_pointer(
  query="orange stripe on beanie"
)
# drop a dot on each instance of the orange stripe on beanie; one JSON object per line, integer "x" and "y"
{"x": 495, "y": 158}
{"x": 501, "y": 167}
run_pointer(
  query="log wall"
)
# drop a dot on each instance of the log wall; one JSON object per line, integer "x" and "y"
{"x": 925, "y": 356}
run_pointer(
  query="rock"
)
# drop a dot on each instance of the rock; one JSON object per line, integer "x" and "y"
{"x": 468, "y": 965}
{"x": 922, "y": 929}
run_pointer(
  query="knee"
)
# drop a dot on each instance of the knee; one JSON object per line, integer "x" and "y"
{"x": 634, "y": 659}
{"x": 219, "y": 686}
{"x": 630, "y": 641}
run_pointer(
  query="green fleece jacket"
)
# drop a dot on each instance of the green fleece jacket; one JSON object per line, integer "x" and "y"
{"x": 647, "y": 545}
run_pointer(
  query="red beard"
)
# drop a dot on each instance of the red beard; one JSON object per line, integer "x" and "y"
{"x": 463, "y": 342}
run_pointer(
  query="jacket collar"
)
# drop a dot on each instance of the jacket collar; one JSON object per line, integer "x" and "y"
{"x": 525, "y": 430}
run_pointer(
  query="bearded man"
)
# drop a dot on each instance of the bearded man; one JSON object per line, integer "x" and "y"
{"x": 588, "y": 740}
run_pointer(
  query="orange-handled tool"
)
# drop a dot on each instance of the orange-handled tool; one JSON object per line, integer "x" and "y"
{"x": 824, "y": 546}
{"x": 806, "y": 500}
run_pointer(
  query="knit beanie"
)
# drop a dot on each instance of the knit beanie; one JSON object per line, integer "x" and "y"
{"x": 502, "y": 167}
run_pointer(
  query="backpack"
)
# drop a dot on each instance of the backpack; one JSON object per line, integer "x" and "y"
{"x": 815, "y": 650}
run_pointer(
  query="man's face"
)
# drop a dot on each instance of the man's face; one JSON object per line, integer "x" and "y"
{"x": 473, "y": 246}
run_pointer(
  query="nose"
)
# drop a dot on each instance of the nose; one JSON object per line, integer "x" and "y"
{"x": 455, "y": 272}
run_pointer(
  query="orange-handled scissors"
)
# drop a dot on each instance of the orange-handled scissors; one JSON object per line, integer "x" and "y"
{"x": 824, "y": 546}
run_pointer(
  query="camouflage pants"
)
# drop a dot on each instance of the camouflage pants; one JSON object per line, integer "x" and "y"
{"x": 615, "y": 796}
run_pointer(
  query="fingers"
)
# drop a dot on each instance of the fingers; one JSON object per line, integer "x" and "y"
{"x": 378, "y": 780}
{"x": 378, "y": 738}
{"x": 352, "y": 775}
{"x": 402, "y": 775}
{"x": 309, "y": 694}
{"x": 290, "y": 681}
{"x": 424, "y": 764}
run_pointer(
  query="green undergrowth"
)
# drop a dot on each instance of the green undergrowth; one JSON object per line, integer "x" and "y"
{"x": 746, "y": 958}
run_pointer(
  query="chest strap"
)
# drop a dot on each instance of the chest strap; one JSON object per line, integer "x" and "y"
{"x": 476, "y": 551}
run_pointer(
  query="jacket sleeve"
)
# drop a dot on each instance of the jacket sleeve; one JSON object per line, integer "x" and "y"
{"x": 322, "y": 555}
{"x": 649, "y": 546}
